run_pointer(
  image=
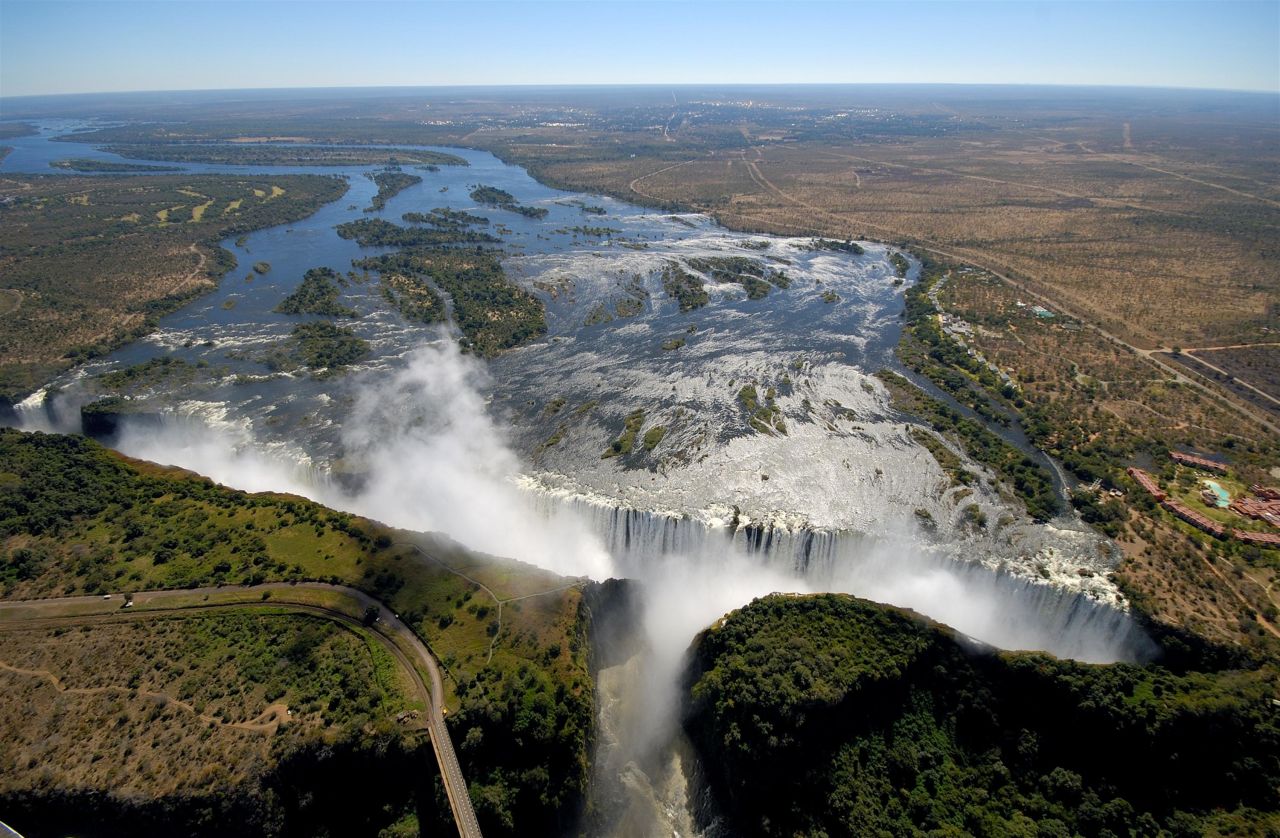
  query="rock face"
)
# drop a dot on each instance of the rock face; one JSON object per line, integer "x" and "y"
{"x": 832, "y": 715}
{"x": 101, "y": 420}
{"x": 613, "y": 610}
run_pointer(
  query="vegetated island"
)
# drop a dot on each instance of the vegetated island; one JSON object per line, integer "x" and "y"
{"x": 685, "y": 288}
{"x": 584, "y": 207}
{"x": 406, "y": 289}
{"x": 320, "y": 346}
{"x": 93, "y": 262}
{"x": 378, "y": 232}
{"x": 831, "y": 715}
{"x": 446, "y": 219}
{"x": 900, "y": 264}
{"x": 493, "y": 197}
{"x": 165, "y": 370}
{"x": 850, "y": 247}
{"x": 492, "y": 313}
{"x": 16, "y": 129}
{"x": 266, "y": 721}
{"x": 85, "y": 164}
{"x": 317, "y": 294}
{"x": 256, "y": 154}
{"x": 391, "y": 182}
{"x": 752, "y": 274}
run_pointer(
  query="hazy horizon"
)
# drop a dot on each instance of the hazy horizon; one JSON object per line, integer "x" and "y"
{"x": 639, "y": 86}
{"x": 73, "y": 48}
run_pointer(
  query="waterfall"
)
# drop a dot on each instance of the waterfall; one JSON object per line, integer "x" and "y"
{"x": 939, "y": 580}
{"x": 995, "y": 606}
{"x": 691, "y": 570}
{"x": 44, "y": 410}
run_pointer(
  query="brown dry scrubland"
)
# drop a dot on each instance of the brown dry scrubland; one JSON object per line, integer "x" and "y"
{"x": 178, "y": 706}
{"x": 1114, "y": 405}
{"x": 87, "y": 263}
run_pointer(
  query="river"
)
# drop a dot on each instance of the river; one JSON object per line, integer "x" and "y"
{"x": 829, "y": 492}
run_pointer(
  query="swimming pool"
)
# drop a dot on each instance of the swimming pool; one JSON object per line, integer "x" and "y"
{"x": 1224, "y": 498}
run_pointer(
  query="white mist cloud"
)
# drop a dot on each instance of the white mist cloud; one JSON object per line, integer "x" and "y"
{"x": 433, "y": 459}
{"x": 682, "y": 596}
{"x": 436, "y": 461}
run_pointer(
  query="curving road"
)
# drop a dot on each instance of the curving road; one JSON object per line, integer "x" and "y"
{"x": 307, "y": 597}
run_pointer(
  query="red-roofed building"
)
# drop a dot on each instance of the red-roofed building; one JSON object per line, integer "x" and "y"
{"x": 1194, "y": 518}
{"x": 1147, "y": 482}
{"x": 1259, "y": 509}
{"x": 1197, "y": 462}
{"x": 1266, "y": 539}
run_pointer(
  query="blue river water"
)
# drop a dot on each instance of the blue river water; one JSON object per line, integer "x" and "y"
{"x": 229, "y": 330}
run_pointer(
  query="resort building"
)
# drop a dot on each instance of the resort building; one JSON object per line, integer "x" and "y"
{"x": 1147, "y": 482}
{"x": 1197, "y": 462}
{"x": 1266, "y": 539}
{"x": 1194, "y": 518}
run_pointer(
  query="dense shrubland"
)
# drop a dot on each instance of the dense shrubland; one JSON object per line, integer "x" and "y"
{"x": 829, "y": 715}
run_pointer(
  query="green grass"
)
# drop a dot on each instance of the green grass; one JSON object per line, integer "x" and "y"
{"x": 233, "y": 665}
{"x": 196, "y": 722}
{"x": 622, "y": 446}
{"x": 653, "y": 437}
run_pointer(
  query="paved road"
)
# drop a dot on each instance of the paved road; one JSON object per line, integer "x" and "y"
{"x": 1151, "y": 355}
{"x": 399, "y": 640}
{"x": 1230, "y": 376}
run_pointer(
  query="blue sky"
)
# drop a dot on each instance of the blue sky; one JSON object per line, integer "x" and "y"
{"x": 112, "y": 45}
